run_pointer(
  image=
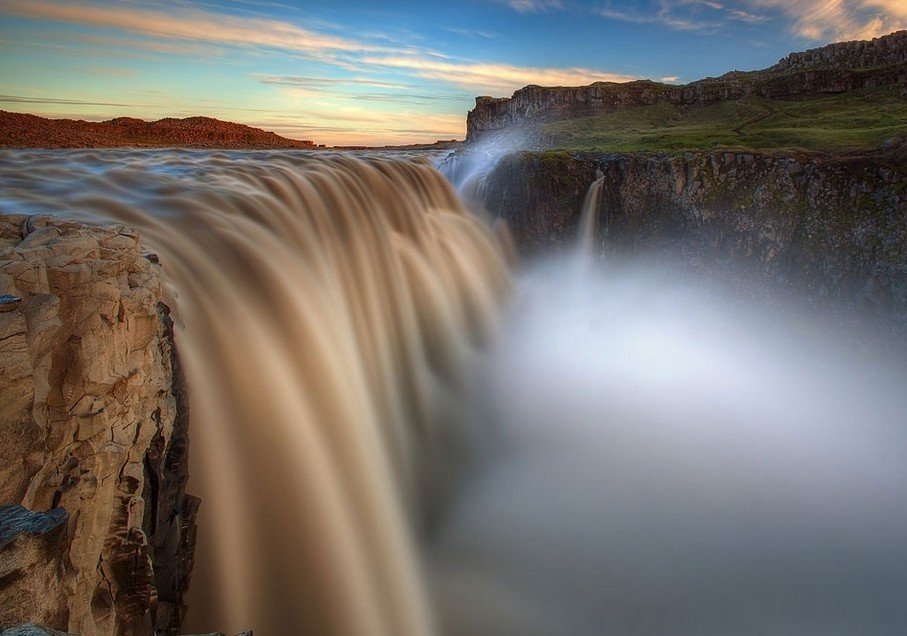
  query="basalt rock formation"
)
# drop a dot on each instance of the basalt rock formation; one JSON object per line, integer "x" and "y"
{"x": 19, "y": 130}
{"x": 832, "y": 227}
{"x": 835, "y": 68}
{"x": 97, "y": 536}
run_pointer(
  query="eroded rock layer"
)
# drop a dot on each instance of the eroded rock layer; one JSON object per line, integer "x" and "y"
{"x": 92, "y": 422}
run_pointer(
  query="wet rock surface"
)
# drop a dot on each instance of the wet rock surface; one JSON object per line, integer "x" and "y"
{"x": 93, "y": 434}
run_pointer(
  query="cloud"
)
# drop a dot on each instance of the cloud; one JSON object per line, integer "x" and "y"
{"x": 325, "y": 87}
{"x": 143, "y": 43}
{"x": 190, "y": 24}
{"x": 684, "y": 15}
{"x": 532, "y": 6}
{"x": 496, "y": 77}
{"x": 825, "y": 20}
{"x": 811, "y": 19}
{"x": 355, "y": 126}
{"x": 469, "y": 33}
{"x": 24, "y": 99}
{"x": 671, "y": 79}
{"x": 307, "y": 81}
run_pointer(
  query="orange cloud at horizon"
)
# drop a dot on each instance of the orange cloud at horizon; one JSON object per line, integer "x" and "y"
{"x": 842, "y": 19}
{"x": 503, "y": 77}
{"x": 188, "y": 24}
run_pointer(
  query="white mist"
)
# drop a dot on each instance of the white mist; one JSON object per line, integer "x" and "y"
{"x": 666, "y": 458}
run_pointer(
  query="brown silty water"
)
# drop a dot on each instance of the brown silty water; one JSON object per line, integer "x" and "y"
{"x": 327, "y": 305}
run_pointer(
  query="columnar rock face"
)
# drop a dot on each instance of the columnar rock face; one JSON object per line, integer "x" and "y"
{"x": 834, "y": 227}
{"x": 92, "y": 422}
{"x": 835, "y": 68}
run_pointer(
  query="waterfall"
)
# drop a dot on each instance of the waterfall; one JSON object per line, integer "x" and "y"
{"x": 328, "y": 308}
{"x": 588, "y": 222}
{"x": 648, "y": 452}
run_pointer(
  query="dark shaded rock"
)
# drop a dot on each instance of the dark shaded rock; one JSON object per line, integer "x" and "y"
{"x": 827, "y": 227}
{"x": 33, "y": 629}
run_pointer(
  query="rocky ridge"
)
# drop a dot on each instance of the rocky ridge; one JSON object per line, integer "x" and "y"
{"x": 835, "y": 68}
{"x": 98, "y": 534}
{"x": 20, "y": 130}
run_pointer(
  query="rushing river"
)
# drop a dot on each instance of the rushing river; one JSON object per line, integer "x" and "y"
{"x": 396, "y": 433}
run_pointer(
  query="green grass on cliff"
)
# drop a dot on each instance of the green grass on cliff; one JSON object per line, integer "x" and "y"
{"x": 858, "y": 119}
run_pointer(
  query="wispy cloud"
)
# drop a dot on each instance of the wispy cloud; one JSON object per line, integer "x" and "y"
{"x": 470, "y": 33}
{"x": 810, "y": 19}
{"x": 173, "y": 47}
{"x": 308, "y": 81}
{"x": 351, "y": 125}
{"x": 683, "y": 15}
{"x": 330, "y": 88}
{"x": 380, "y": 74}
{"x": 25, "y": 99}
{"x": 824, "y": 20}
{"x": 496, "y": 77}
{"x": 532, "y": 6}
{"x": 189, "y": 24}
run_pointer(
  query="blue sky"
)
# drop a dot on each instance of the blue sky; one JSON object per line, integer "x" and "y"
{"x": 393, "y": 72}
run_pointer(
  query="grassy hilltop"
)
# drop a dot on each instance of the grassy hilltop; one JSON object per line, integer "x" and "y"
{"x": 857, "y": 119}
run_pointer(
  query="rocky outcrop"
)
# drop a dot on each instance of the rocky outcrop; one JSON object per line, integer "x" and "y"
{"x": 832, "y": 227}
{"x": 836, "y": 68}
{"x": 20, "y": 130}
{"x": 93, "y": 434}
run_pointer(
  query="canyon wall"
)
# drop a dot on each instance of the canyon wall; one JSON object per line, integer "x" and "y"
{"x": 828, "y": 227}
{"x": 835, "y": 68}
{"x": 96, "y": 532}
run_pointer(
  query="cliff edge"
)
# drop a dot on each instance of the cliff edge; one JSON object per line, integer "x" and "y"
{"x": 833, "y": 69}
{"x": 96, "y": 532}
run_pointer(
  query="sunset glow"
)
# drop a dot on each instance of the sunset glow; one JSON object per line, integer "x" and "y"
{"x": 370, "y": 73}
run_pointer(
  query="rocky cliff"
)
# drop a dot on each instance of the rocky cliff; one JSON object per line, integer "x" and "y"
{"x": 97, "y": 533}
{"x": 829, "y": 227}
{"x": 835, "y": 68}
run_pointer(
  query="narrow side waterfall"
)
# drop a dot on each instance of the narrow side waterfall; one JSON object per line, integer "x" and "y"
{"x": 588, "y": 222}
{"x": 328, "y": 307}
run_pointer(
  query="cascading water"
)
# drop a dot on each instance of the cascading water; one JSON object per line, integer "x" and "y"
{"x": 654, "y": 455}
{"x": 588, "y": 220}
{"x": 330, "y": 305}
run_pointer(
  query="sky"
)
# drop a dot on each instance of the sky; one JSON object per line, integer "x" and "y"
{"x": 369, "y": 72}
